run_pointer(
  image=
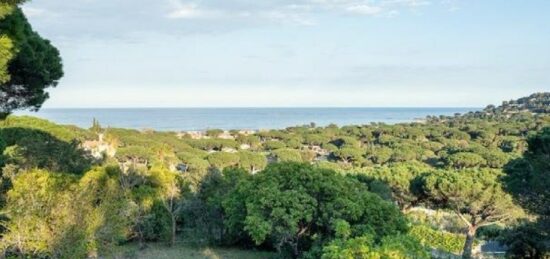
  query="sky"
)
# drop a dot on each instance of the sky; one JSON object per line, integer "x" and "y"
{"x": 301, "y": 53}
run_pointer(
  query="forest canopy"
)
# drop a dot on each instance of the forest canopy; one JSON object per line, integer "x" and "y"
{"x": 444, "y": 186}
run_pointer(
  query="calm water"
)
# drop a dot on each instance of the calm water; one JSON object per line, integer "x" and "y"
{"x": 235, "y": 118}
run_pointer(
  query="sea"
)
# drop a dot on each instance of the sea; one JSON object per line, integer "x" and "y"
{"x": 191, "y": 119}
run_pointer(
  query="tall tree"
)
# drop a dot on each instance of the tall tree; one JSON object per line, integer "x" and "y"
{"x": 172, "y": 189}
{"x": 35, "y": 65}
{"x": 528, "y": 179}
{"x": 476, "y": 196}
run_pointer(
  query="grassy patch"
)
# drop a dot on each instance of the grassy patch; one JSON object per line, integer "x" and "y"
{"x": 161, "y": 251}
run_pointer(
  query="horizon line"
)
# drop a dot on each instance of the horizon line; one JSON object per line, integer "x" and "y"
{"x": 263, "y": 107}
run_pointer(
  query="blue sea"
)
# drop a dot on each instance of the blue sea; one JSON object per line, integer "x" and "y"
{"x": 181, "y": 119}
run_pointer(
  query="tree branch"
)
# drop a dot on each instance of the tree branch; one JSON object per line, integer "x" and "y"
{"x": 463, "y": 218}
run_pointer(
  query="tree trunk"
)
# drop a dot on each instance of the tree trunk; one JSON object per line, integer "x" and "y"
{"x": 173, "y": 238}
{"x": 468, "y": 245}
{"x": 295, "y": 250}
{"x": 140, "y": 239}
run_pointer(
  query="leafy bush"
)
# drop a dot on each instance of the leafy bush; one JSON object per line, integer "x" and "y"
{"x": 436, "y": 239}
{"x": 288, "y": 205}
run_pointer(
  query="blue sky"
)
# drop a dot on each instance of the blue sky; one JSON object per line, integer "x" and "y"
{"x": 237, "y": 53}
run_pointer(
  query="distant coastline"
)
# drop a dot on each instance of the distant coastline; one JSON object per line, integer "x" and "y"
{"x": 201, "y": 119}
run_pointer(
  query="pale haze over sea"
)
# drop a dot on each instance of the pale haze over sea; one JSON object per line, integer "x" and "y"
{"x": 182, "y": 119}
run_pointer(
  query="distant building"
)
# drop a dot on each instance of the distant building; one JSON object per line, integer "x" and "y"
{"x": 226, "y": 135}
{"x": 99, "y": 148}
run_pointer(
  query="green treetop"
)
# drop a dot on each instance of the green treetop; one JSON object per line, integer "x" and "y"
{"x": 475, "y": 195}
{"x": 289, "y": 205}
{"x": 33, "y": 66}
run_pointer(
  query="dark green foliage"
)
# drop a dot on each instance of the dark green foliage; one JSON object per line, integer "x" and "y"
{"x": 375, "y": 186}
{"x": 402, "y": 180}
{"x": 288, "y": 205}
{"x": 528, "y": 179}
{"x": 154, "y": 226}
{"x": 13, "y": 2}
{"x": 528, "y": 240}
{"x": 203, "y": 214}
{"x": 27, "y": 149}
{"x": 35, "y": 67}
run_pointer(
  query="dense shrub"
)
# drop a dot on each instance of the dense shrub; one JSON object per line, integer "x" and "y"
{"x": 288, "y": 205}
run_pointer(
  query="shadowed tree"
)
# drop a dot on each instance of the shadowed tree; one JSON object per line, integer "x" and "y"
{"x": 35, "y": 65}
{"x": 29, "y": 148}
{"x": 528, "y": 180}
{"x": 402, "y": 179}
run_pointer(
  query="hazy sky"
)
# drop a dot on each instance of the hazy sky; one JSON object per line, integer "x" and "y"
{"x": 172, "y": 53}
